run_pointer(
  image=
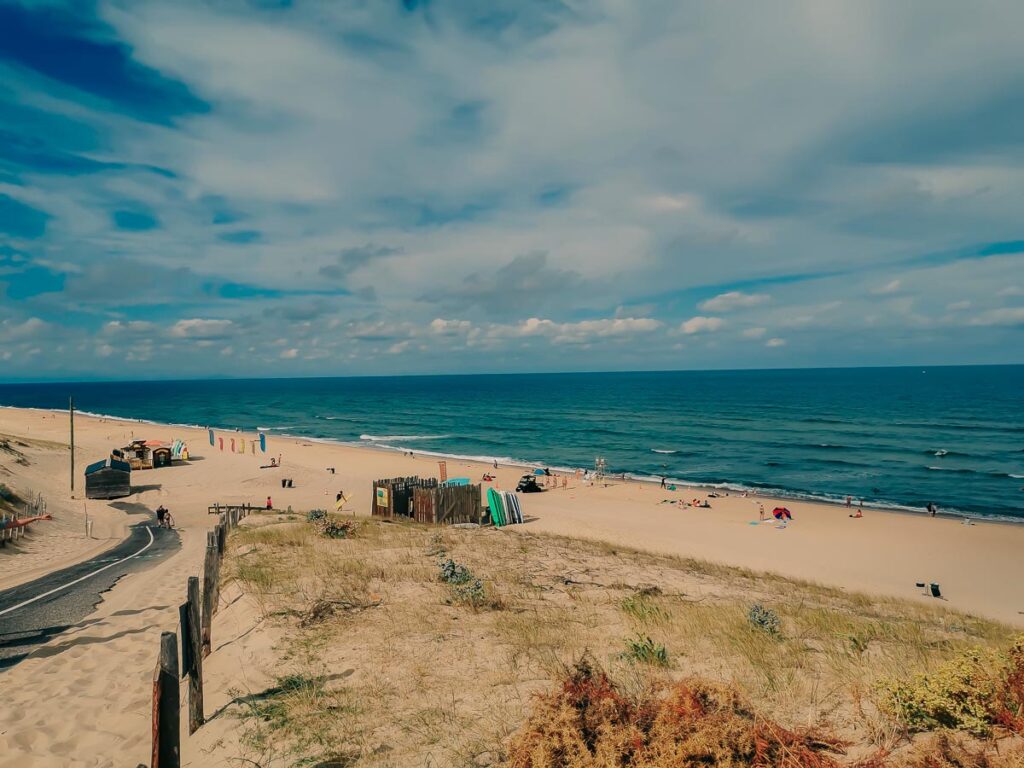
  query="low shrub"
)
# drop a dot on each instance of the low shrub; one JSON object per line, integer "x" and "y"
{"x": 973, "y": 692}
{"x": 645, "y": 650}
{"x": 335, "y": 529}
{"x": 765, "y": 619}
{"x": 453, "y": 573}
{"x": 316, "y": 514}
{"x": 588, "y": 721}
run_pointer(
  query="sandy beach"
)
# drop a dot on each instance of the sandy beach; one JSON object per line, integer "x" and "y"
{"x": 99, "y": 671}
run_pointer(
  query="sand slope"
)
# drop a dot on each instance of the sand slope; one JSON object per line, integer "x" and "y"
{"x": 84, "y": 699}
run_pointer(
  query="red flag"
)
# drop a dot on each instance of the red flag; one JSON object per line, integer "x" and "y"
{"x": 221, "y": 443}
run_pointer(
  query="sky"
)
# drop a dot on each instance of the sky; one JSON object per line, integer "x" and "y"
{"x": 374, "y": 187}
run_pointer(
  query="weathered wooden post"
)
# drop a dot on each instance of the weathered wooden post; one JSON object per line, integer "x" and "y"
{"x": 209, "y": 591}
{"x": 195, "y": 674}
{"x": 166, "y": 705}
{"x": 222, "y": 533}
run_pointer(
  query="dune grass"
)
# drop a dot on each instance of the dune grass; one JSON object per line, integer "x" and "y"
{"x": 454, "y": 677}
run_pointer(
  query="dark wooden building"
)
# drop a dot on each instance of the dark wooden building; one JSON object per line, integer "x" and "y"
{"x": 108, "y": 479}
{"x": 161, "y": 457}
{"x": 393, "y": 497}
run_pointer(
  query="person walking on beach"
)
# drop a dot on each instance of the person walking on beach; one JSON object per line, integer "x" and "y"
{"x": 270, "y": 504}
{"x": 663, "y": 481}
{"x": 932, "y": 509}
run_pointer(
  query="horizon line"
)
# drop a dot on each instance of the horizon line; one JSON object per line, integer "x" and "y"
{"x": 30, "y": 382}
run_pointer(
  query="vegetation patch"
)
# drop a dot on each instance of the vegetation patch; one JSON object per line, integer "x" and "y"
{"x": 589, "y": 721}
{"x": 976, "y": 691}
{"x": 646, "y": 651}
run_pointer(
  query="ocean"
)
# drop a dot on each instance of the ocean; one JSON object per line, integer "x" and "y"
{"x": 898, "y": 437}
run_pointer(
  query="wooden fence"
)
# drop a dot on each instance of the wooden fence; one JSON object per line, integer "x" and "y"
{"x": 195, "y": 617}
{"x": 13, "y": 527}
{"x": 447, "y": 504}
{"x": 393, "y": 497}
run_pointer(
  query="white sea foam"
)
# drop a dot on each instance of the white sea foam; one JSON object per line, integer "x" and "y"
{"x": 394, "y": 438}
{"x": 662, "y": 450}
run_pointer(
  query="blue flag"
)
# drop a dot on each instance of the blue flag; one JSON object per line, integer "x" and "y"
{"x": 211, "y": 437}
{"x": 263, "y": 442}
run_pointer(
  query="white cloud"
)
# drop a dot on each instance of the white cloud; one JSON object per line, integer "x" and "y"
{"x": 1009, "y": 316}
{"x": 891, "y": 287}
{"x": 199, "y": 328}
{"x": 701, "y": 324}
{"x": 726, "y": 302}
{"x": 958, "y": 306}
{"x": 754, "y": 333}
{"x": 441, "y": 327}
{"x": 776, "y": 342}
{"x": 289, "y": 354}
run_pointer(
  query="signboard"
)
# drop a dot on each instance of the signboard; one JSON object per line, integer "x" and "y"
{"x": 382, "y": 496}
{"x": 442, "y": 467}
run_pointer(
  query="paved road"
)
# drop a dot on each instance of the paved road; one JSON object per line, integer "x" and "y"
{"x": 30, "y": 614}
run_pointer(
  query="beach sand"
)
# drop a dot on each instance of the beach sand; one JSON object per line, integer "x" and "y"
{"x": 84, "y": 698}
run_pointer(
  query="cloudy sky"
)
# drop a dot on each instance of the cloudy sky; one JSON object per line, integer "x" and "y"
{"x": 259, "y": 188}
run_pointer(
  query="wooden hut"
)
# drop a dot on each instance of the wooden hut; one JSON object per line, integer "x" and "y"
{"x": 447, "y": 504}
{"x": 108, "y": 479}
{"x": 138, "y": 454}
{"x": 161, "y": 457}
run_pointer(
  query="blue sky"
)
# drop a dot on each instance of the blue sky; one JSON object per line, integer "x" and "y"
{"x": 293, "y": 188}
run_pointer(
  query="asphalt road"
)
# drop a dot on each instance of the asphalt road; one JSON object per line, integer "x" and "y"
{"x": 30, "y": 614}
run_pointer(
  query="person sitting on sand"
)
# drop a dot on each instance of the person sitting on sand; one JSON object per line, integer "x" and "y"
{"x": 273, "y": 461}
{"x": 858, "y": 514}
{"x": 160, "y": 513}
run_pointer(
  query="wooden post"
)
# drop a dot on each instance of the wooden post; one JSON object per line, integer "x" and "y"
{"x": 209, "y": 591}
{"x": 195, "y": 675}
{"x": 71, "y": 414}
{"x": 166, "y": 705}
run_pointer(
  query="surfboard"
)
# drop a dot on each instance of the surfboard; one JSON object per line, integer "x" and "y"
{"x": 512, "y": 505}
{"x": 497, "y": 510}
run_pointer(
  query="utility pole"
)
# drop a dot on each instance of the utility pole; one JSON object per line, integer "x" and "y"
{"x": 71, "y": 414}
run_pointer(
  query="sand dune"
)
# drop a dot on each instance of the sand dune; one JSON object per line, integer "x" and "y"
{"x": 84, "y": 698}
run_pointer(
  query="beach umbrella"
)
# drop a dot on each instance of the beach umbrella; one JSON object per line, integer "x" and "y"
{"x": 782, "y": 512}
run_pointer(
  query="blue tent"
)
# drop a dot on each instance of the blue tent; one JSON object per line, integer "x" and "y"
{"x": 539, "y": 472}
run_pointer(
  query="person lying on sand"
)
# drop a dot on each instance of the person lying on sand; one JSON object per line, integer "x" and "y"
{"x": 858, "y": 514}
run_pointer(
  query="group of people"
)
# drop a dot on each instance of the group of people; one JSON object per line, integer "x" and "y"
{"x": 163, "y": 517}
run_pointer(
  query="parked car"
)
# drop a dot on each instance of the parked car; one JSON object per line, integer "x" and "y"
{"x": 528, "y": 484}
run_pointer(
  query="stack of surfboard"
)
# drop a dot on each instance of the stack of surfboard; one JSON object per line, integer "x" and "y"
{"x": 504, "y": 507}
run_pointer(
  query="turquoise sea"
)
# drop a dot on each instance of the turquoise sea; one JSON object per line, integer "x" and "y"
{"x": 893, "y": 436}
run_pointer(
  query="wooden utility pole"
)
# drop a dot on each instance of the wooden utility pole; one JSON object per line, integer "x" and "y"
{"x": 71, "y": 414}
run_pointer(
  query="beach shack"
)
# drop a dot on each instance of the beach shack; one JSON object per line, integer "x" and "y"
{"x": 108, "y": 479}
{"x": 138, "y": 454}
{"x": 161, "y": 457}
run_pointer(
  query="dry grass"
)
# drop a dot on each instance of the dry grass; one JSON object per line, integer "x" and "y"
{"x": 437, "y": 682}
